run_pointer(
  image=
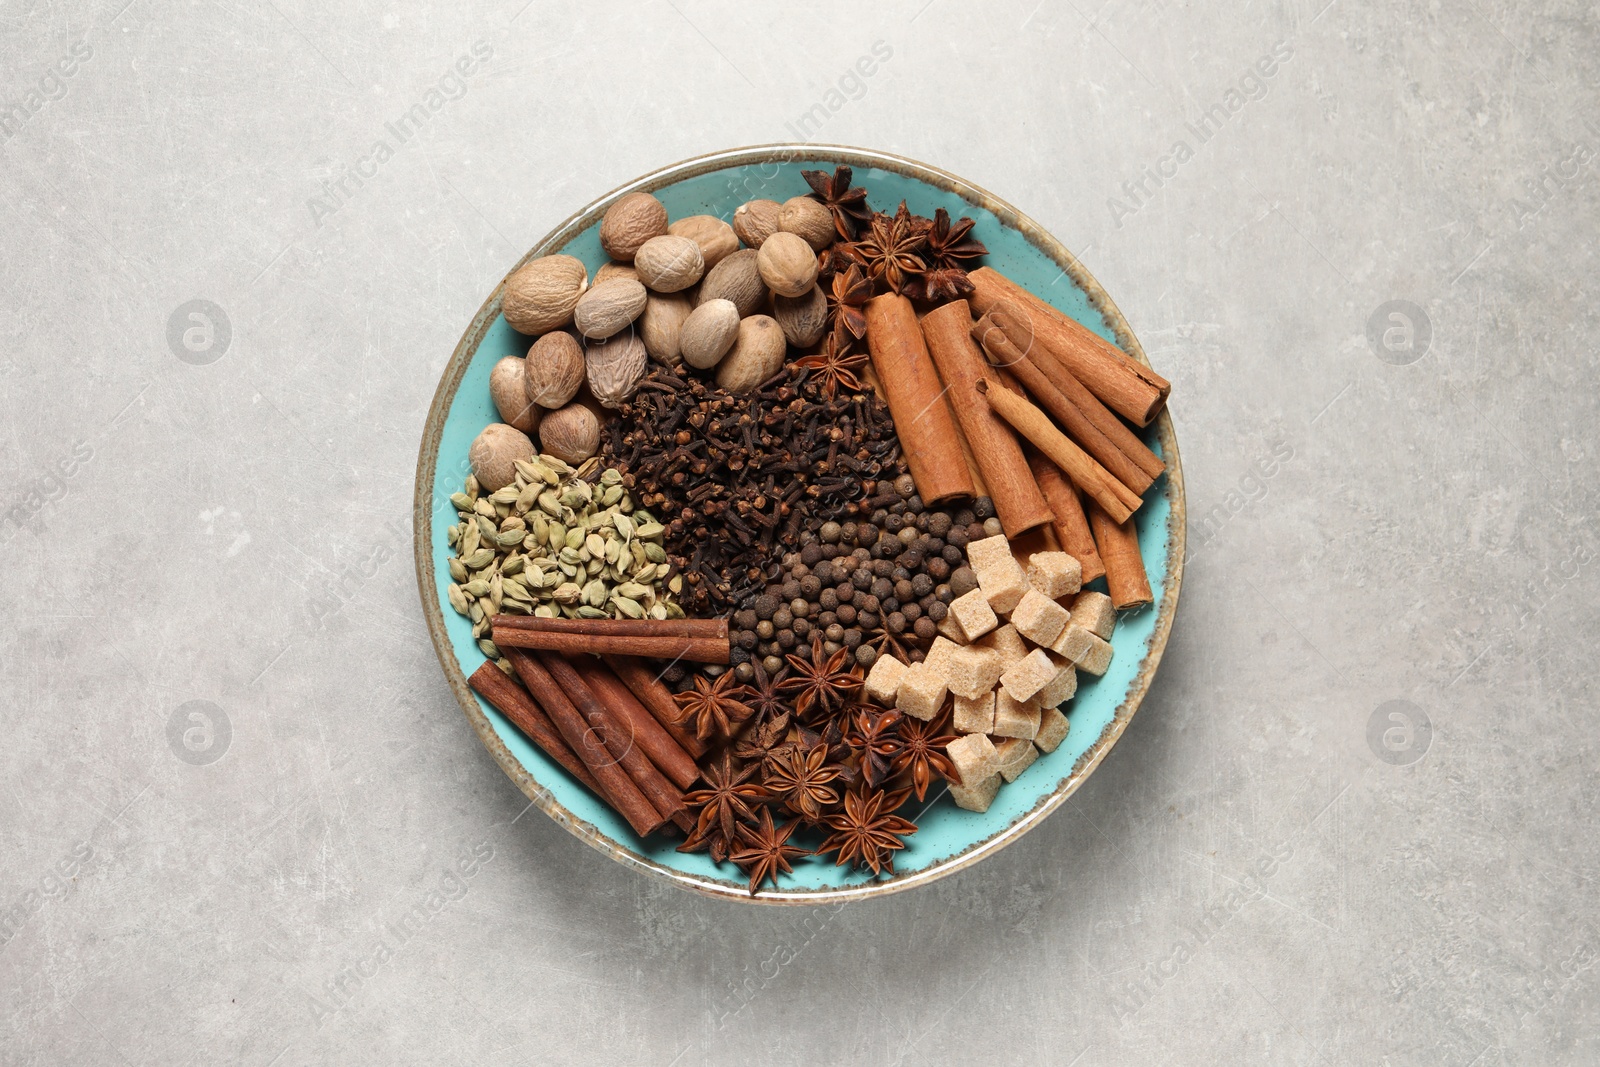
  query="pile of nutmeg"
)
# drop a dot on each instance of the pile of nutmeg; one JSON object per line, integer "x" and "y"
{"x": 681, "y": 293}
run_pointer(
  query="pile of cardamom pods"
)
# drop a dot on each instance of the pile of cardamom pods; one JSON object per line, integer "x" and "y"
{"x": 558, "y": 542}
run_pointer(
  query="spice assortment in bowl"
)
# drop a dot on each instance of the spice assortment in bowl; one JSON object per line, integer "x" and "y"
{"x": 798, "y": 526}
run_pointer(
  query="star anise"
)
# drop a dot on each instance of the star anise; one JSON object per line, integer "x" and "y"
{"x": 849, "y": 206}
{"x": 847, "y": 296}
{"x": 835, "y": 366}
{"x": 822, "y": 682}
{"x": 874, "y": 736}
{"x": 713, "y": 707}
{"x": 867, "y": 833}
{"x": 948, "y": 249}
{"x": 892, "y": 248}
{"x": 922, "y": 752}
{"x": 801, "y": 780}
{"x": 889, "y": 643}
{"x": 839, "y": 256}
{"x": 723, "y": 804}
{"x": 762, "y": 695}
{"x": 760, "y": 738}
{"x": 767, "y": 850}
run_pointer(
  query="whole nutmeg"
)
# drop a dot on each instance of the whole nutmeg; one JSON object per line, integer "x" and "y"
{"x": 508, "y": 388}
{"x": 661, "y": 326}
{"x": 808, "y": 219}
{"x": 608, "y": 307}
{"x": 540, "y": 295}
{"x": 709, "y": 332}
{"x": 787, "y": 264}
{"x": 802, "y": 318}
{"x": 494, "y": 454}
{"x": 757, "y": 355}
{"x": 554, "y": 369}
{"x": 615, "y": 366}
{"x": 756, "y": 220}
{"x": 669, "y": 264}
{"x": 737, "y": 278}
{"x": 716, "y": 238}
{"x": 629, "y": 223}
{"x": 610, "y": 269}
{"x": 571, "y": 434}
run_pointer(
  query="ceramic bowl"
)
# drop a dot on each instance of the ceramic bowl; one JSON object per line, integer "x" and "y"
{"x": 948, "y": 838}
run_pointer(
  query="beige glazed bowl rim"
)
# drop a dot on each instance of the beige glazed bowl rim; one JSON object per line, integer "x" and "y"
{"x": 538, "y": 794}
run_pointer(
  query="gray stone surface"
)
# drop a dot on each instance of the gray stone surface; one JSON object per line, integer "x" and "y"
{"x": 1248, "y": 879}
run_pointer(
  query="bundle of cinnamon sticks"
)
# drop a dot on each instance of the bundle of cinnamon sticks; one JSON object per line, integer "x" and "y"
{"x": 600, "y": 711}
{"x": 1029, "y": 404}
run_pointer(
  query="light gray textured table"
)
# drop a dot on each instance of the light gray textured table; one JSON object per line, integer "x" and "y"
{"x": 1269, "y": 869}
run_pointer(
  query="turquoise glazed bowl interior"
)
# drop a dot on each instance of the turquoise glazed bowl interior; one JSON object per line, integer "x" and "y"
{"x": 947, "y": 838}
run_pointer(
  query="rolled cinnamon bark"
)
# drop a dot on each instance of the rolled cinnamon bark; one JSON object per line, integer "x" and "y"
{"x": 516, "y": 704}
{"x": 664, "y": 752}
{"x": 619, "y": 789}
{"x": 619, "y": 740}
{"x": 646, "y": 684}
{"x": 928, "y": 435}
{"x": 1103, "y": 418}
{"x": 1122, "y": 382}
{"x": 1018, "y": 504}
{"x": 997, "y": 344}
{"x": 691, "y": 628}
{"x": 1118, "y": 543}
{"x": 694, "y": 649}
{"x": 1118, "y": 500}
{"x": 1071, "y": 524}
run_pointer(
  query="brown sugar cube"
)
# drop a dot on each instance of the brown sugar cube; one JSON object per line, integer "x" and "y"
{"x": 974, "y": 758}
{"x": 974, "y": 671}
{"x": 1060, "y": 689}
{"x": 972, "y": 615}
{"x": 1003, "y": 587}
{"x": 883, "y": 680}
{"x": 1055, "y": 574}
{"x": 1083, "y": 648}
{"x": 976, "y": 797}
{"x": 938, "y": 656}
{"x": 950, "y": 630}
{"x": 1015, "y": 718}
{"x": 1039, "y": 618}
{"x": 989, "y": 553}
{"x": 1016, "y": 755}
{"x": 1023, "y": 679}
{"x": 975, "y": 715}
{"x": 1007, "y": 642}
{"x": 1093, "y": 612}
{"x": 1052, "y": 730}
{"x": 921, "y": 692}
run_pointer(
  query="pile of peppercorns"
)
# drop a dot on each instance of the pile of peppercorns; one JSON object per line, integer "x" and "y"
{"x": 883, "y": 584}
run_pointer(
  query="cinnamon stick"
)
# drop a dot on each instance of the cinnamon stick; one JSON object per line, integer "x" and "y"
{"x": 650, "y": 735}
{"x": 1122, "y": 382}
{"x": 516, "y": 704}
{"x": 990, "y": 331}
{"x": 646, "y": 684}
{"x": 695, "y": 649}
{"x": 1071, "y": 524}
{"x": 692, "y": 628}
{"x": 928, "y": 435}
{"x": 1118, "y": 500}
{"x": 619, "y": 739}
{"x": 619, "y": 789}
{"x": 1118, "y": 543}
{"x": 1104, "y": 419}
{"x": 1017, "y": 501}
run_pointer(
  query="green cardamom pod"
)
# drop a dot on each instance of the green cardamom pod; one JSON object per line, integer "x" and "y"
{"x": 630, "y": 608}
{"x": 461, "y": 501}
{"x": 458, "y": 599}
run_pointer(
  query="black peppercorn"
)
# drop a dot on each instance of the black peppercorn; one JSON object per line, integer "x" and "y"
{"x": 810, "y": 586}
{"x": 942, "y": 591}
{"x": 801, "y": 628}
{"x": 899, "y": 574}
{"x": 903, "y": 590}
{"x": 846, "y": 614}
{"x": 867, "y": 621}
{"x": 983, "y": 508}
{"x": 975, "y": 532}
{"x": 744, "y": 620}
{"x": 674, "y": 674}
{"x": 783, "y": 618}
{"x": 825, "y": 620}
{"x": 747, "y": 639}
{"x": 790, "y": 590}
{"x": 905, "y": 485}
{"x": 937, "y": 569}
{"x": 772, "y": 664}
{"x": 866, "y": 535}
{"x": 964, "y": 517}
{"x": 869, "y": 604}
{"x": 833, "y": 551}
{"x": 909, "y": 560}
{"x": 799, "y": 608}
{"x": 765, "y": 629}
{"x": 896, "y": 623}
{"x": 926, "y": 629}
{"x": 936, "y": 612}
{"x": 786, "y": 639}
{"x": 921, "y": 585}
{"x": 939, "y": 523}
{"x": 890, "y": 605}
{"x": 866, "y": 656}
{"x": 744, "y": 672}
{"x": 844, "y": 591}
{"x": 847, "y": 533}
{"x": 852, "y": 638}
{"x": 912, "y": 611}
{"x": 913, "y": 503}
{"x": 963, "y": 581}
{"x": 956, "y": 538}
{"x": 882, "y": 587}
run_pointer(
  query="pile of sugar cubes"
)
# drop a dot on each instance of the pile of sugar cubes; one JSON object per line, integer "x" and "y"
{"x": 1009, "y": 654}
